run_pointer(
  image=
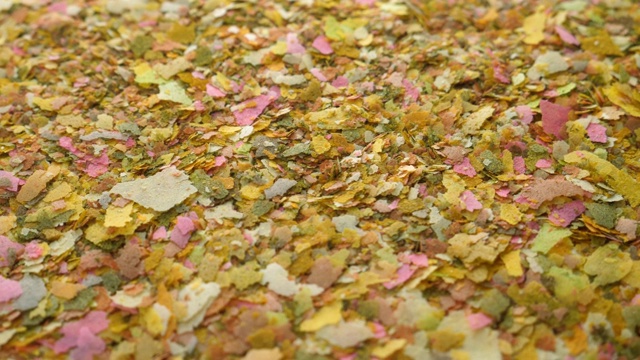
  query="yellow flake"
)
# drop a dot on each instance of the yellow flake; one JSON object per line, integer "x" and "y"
{"x": 377, "y": 145}
{"x": 624, "y": 96}
{"x": 512, "y": 263}
{"x": 280, "y": 48}
{"x": 619, "y": 180}
{"x": 510, "y": 213}
{"x": 44, "y": 104}
{"x": 388, "y": 349}
{"x": 104, "y": 122}
{"x": 59, "y": 192}
{"x": 7, "y": 223}
{"x": 328, "y": 315}
{"x": 118, "y": 216}
{"x": 320, "y": 144}
{"x": 251, "y": 192}
{"x": 224, "y": 81}
{"x": 533, "y": 27}
{"x": 455, "y": 186}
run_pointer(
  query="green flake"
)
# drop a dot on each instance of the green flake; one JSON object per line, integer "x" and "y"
{"x": 571, "y": 288}
{"x": 172, "y": 91}
{"x": 548, "y": 237}
{"x": 296, "y": 150}
{"x": 608, "y": 264}
{"x": 604, "y": 215}
{"x": 204, "y": 56}
{"x": 141, "y": 44}
{"x": 82, "y": 301}
{"x": 262, "y": 207}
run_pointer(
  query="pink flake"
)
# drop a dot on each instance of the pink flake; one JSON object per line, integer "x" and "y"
{"x": 293, "y": 45}
{"x": 503, "y": 192}
{"x": 381, "y": 206}
{"x": 465, "y": 168}
{"x": 379, "y": 331}
{"x": 318, "y": 74}
{"x": 252, "y": 108}
{"x": 628, "y": 227}
{"x": 197, "y": 75}
{"x": 58, "y": 204}
{"x": 182, "y": 231}
{"x": 214, "y": 91}
{"x": 66, "y": 143}
{"x": 566, "y": 36}
{"x": 369, "y": 3}
{"x": 565, "y": 214}
{"x": 478, "y": 321}
{"x": 518, "y": 165}
{"x": 554, "y": 117}
{"x": 419, "y": 260}
{"x": 597, "y": 133}
{"x": 526, "y": 115}
{"x": 394, "y": 204}
{"x": 198, "y": 105}
{"x": 404, "y": 273}
{"x": 89, "y": 345}
{"x": 470, "y": 201}
{"x": 59, "y": 7}
{"x": 160, "y": 233}
{"x": 93, "y": 166}
{"x": 33, "y": 251}
{"x": 543, "y": 164}
{"x": 340, "y": 81}
{"x": 97, "y": 166}
{"x": 321, "y": 43}
{"x": 410, "y": 91}
{"x": 81, "y": 336}
{"x": 220, "y": 160}
{"x": 9, "y": 251}
{"x": 499, "y": 75}
{"x": 13, "y": 180}
{"x": 10, "y": 289}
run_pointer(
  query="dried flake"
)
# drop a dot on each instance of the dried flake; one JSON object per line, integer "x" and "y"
{"x": 10, "y": 289}
{"x": 33, "y": 290}
{"x": 548, "y": 237}
{"x": 36, "y": 183}
{"x": 346, "y": 334}
{"x": 172, "y": 91}
{"x": 624, "y": 96}
{"x": 118, "y": 216}
{"x": 279, "y": 188}
{"x": 554, "y": 118}
{"x": 196, "y": 296}
{"x": 618, "y": 179}
{"x": 542, "y": 191}
{"x": 159, "y": 192}
{"x": 65, "y": 290}
{"x": 474, "y": 122}
{"x": 533, "y": 27}
{"x": 75, "y": 121}
{"x": 608, "y": 264}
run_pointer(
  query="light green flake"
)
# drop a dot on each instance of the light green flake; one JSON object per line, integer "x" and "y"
{"x": 608, "y": 264}
{"x": 548, "y": 237}
{"x": 172, "y": 91}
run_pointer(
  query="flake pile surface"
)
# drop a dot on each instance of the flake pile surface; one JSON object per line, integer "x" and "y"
{"x": 319, "y": 180}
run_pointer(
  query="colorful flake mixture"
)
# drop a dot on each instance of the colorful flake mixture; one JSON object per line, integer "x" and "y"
{"x": 361, "y": 179}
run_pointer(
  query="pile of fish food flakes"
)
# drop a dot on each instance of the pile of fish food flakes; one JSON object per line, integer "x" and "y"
{"x": 305, "y": 180}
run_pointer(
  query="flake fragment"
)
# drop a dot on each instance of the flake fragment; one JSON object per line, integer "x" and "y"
{"x": 159, "y": 192}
